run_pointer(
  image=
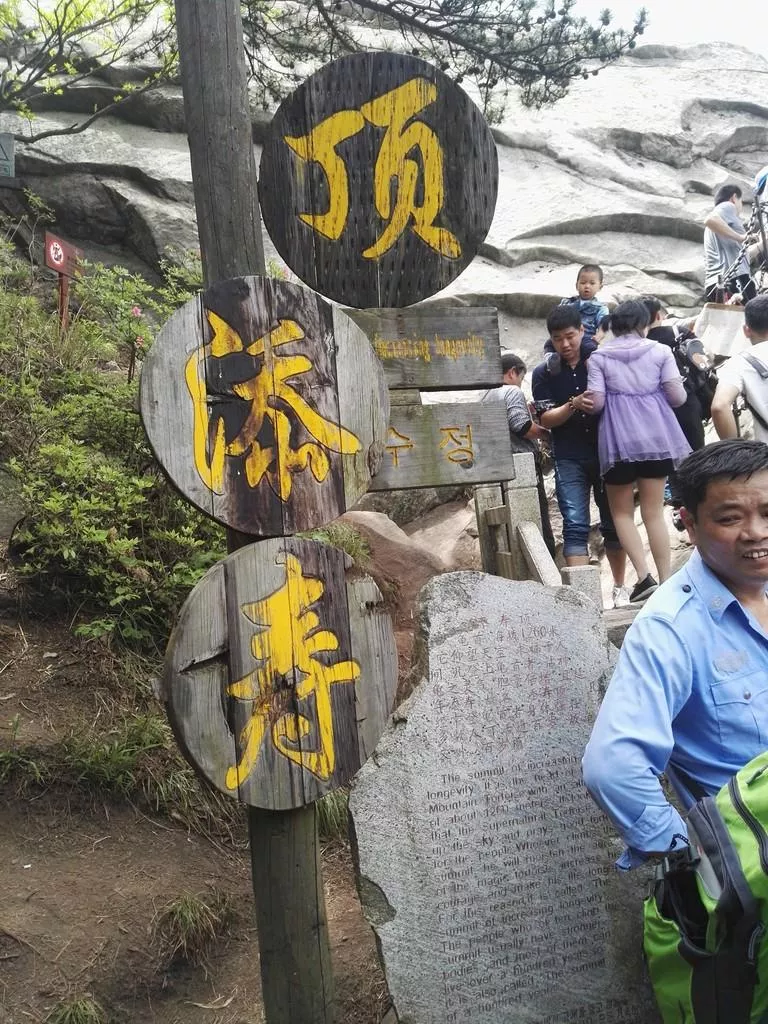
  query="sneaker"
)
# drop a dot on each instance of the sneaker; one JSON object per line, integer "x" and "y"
{"x": 620, "y": 597}
{"x": 643, "y": 590}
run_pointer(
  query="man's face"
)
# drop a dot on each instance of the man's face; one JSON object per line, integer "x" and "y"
{"x": 588, "y": 284}
{"x": 731, "y": 529}
{"x": 567, "y": 343}
{"x": 738, "y": 202}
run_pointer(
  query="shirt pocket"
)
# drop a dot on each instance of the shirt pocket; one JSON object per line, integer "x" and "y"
{"x": 741, "y": 707}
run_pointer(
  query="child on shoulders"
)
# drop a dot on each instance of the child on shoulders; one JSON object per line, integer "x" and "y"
{"x": 589, "y": 281}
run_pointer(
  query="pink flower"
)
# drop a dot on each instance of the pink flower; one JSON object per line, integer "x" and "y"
{"x": 136, "y": 311}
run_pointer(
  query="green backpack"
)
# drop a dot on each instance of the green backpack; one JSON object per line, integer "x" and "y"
{"x": 705, "y": 921}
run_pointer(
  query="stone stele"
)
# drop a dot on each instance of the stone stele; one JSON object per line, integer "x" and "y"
{"x": 483, "y": 865}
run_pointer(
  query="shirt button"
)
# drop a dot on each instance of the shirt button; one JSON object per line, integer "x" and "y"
{"x": 686, "y": 588}
{"x": 747, "y": 695}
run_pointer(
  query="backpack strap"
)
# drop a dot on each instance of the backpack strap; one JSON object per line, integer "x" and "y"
{"x": 756, "y": 364}
{"x": 762, "y": 369}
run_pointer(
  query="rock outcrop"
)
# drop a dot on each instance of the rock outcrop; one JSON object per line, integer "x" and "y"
{"x": 620, "y": 172}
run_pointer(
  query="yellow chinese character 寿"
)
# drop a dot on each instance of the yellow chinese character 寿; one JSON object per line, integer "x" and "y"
{"x": 290, "y": 647}
{"x": 456, "y": 444}
{"x": 272, "y": 398}
{"x": 412, "y": 206}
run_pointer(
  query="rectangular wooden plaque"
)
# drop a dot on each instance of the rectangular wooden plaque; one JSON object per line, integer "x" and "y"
{"x": 438, "y": 349}
{"x": 439, "y": 445}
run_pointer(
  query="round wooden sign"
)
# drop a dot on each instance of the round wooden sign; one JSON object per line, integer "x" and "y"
{"x": 267, "y": 407}
{"x": 281, "y": 673}
{"x": 378, "y": 181}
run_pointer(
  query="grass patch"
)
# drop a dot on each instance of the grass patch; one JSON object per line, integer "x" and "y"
{"x": 189, "y": 927}
{"x": 332, "y": 815}
{"x": 82, "y": 1010}
{"x": 136, "y": 761}
{"x": 346, "y": 537}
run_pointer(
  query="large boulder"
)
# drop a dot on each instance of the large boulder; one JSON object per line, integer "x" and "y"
{"x": 626, "y": 184}
{"x": 450, "y": 533}
{"x": 398, "y": 560}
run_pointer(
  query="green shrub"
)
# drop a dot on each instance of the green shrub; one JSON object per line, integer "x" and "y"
{"x": 105, "y": 535}
{"x": 117, "y": 545}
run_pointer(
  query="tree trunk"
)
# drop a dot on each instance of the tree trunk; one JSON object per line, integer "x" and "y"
{"x": 217, "y": 113}
{"x": 296, "y": 975}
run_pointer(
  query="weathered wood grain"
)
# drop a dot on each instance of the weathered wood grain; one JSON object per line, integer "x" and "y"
{"x": 291, "y": 917}
{"x": 378, "y": 182}
{"x": 281, "y": 673}
{"x": 444, "y": 445}
{"x": 265, "y": 406}
{"x": 487, "y": 496}
{"x": 433, "y": 348}
{"x": 217, "y": 115}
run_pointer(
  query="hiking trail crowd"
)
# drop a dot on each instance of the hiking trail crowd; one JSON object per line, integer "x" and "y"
{"x": 680, "y": 744}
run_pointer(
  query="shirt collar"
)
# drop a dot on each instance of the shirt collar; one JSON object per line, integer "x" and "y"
{"x": 715, "y": 595}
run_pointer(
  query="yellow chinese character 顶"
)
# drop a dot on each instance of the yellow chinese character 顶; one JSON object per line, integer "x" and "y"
{"x": 396, "y": 443}
{"x": 412, "y": 206}
{"x": 290, "y": 645}
{"x": 457, "y": 442}
{"x": 271, "y": 397}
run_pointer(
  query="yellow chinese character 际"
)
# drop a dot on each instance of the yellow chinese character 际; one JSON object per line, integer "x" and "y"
{"x": 290, "y": 647}
{"x": 397, "y": 443}
{"x": 270, "y": 397}
{"x": 408, "y": 191}
{"x": 457, "y": 444}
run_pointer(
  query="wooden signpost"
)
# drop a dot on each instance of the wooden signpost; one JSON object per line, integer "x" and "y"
{"x": 433, "y": 348}
{"x": 266, "y": 406}
{"x": 63, "y": 258}
{"x": 378, "y": 181}
{"x": 281, "y": 673}
{"x": 268, "y": 409}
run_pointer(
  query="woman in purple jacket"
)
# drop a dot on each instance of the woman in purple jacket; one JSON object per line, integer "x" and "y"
{"x": 634, "y": 382}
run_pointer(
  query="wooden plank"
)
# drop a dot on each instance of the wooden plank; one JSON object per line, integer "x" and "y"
{"x": 265, "y": 406}
{"x": 285, "y": 849}
{"x": 537, "y": 557}
{"x": 506, "y": 565}
{"x": 486, "y": 497}
{"x": 445, "y": 445}
{"x": 378, "y": 180}
{"x": 434, "y": 347}
{"x": 281, "y": 673}
{"x": 497, "y": 516}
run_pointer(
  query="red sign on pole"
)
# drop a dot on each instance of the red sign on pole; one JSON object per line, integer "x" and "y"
{"x": 61, "y": 256}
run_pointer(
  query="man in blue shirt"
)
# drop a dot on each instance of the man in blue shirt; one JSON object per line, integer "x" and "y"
{"x": 689, "y": 696}
{"x": 565, "y": 408}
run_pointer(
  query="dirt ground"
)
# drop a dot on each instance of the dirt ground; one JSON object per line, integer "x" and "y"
{"x": 82, "y": 884}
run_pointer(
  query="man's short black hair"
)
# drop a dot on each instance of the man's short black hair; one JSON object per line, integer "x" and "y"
{"x": 730, "y": 459}
{"x": 756, "y": 314}
{"x": 726, "y": 192}
{"x": 563, "y": 317}
{"x": 510, "y": 361}
{"x": 653, "y": 306}
{"x": 591, "y": 268}
{"x": 629, "y": 317}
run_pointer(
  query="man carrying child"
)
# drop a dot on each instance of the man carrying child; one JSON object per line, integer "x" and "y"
{"x": 565, "y": 409}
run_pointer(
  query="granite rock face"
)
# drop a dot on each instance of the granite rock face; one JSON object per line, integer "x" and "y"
{"x": 620, "y": 172}
{"x": 484, "y": 867}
